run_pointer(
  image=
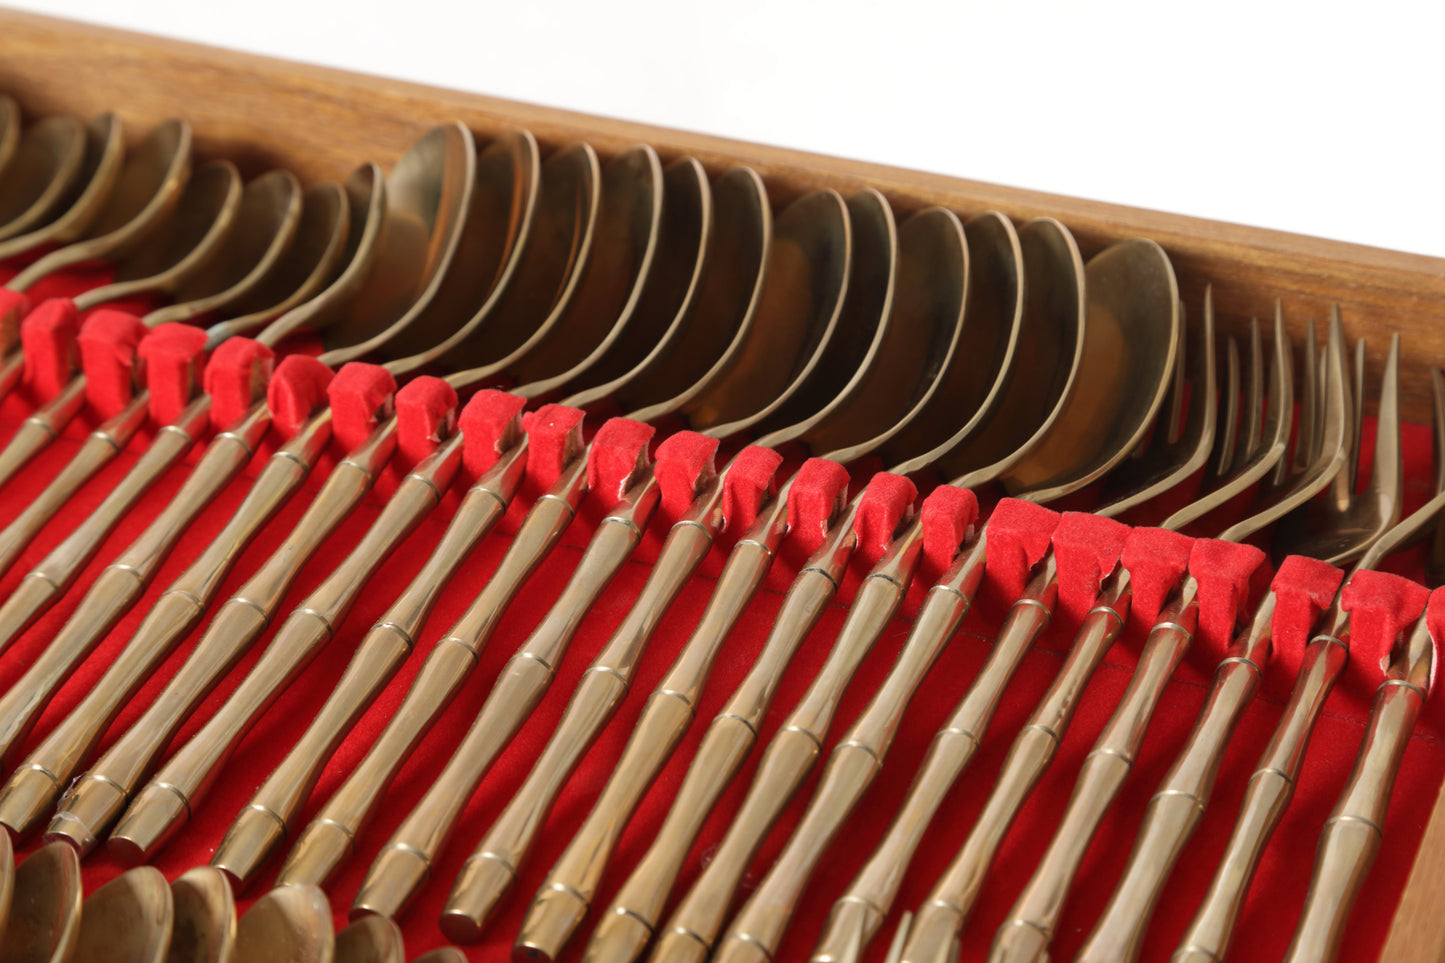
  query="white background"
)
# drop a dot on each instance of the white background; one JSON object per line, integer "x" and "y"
{"x": 1314, "y": 118}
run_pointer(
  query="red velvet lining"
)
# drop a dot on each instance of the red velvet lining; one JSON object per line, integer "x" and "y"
{"x": 1156, "y": 559}
{"x": 1230, "y": 577}
{"x": 750, "y": 480}
{"x": 684, "y": 465}
{"x": 1381, "y": 607}
{"x": 175, "y": 360}
{"x": 234, "y": 377}
{"x": 814, "y": 499}
{"x": 1303, "y": 588}
{"x": 1086, "y": 551}
{"x": 1018, "y": 537}
{"x": 295, "y": 392}
{"x": 488, "y": 422}
{"x": 361, "y": 397}
{"x": 554, "y": 438}
{"x": 886, "y": 503}
{"x": 426, "y": 413}
{"x": 946, "y": 517}
{"x": 48, "y": 337}
{"x": 618, "y": 451}
{"x": 109, "y": 342}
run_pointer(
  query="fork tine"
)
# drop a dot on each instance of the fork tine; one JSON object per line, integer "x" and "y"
{"x": 1357, "y": 417}
{"x": 1386, "y": 473}
{"x": 900, "y": 938}
{"x": 1173, "y": 412}
{"x": 1304, "y": 446}
{"x": 1254, "y": 406}
{"x": 1229, "y": 424}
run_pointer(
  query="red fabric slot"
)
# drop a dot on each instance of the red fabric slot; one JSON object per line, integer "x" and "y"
{"x": 236, "y": 375}
{"x": 618, "y": 451}
{"x": 1018, "y": 537}
{"x": 1156, "y": 559}
{"x": 48, "y": 337}
{"x": 295, "y": 392}
{"x": 108, "y": 343}
{"x": 814, "y": 498}
{"x": 747, "y": 484}
{"x": 426, "y": 413}
{"x": 490, "y": 423}
{"x": 1086, "y": 549}
{"x": 1229, "y": 576}
{"x": 1381, "y": 606}
{"x": 554, "y": 438}
{"x": 886, "y": 503}
{"x": 946, "y": 517}
{"x": 1303, "y": 588}
{"x": 684, "y": 464}
{"x": 175, "y": 358}
{"x": 361, "y": 396}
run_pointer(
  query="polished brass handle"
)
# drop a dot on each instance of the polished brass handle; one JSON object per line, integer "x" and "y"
{"x": 270, "y": 815}
{"x": 41, "y": 428}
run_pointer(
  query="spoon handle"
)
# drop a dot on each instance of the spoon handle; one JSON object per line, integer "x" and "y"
{"x": 403, "y": 863}
{"x": 270, "y": 815}
{"x": 160, "y": 807}
{"x": 41, "y": 428}
{"x": 96, "y": 797}
{"x": 1179, "y": 803}
{"x": 796, "y": 747}
{"x": 12, "y": 366}
{"x": 1353, "y": 834}
{"x": 1030, "y": 927}
{"x": 326, "y": 841}
{"x": 565, "y": 897}
{"x": 856, "y": 760}
{"x": 1267, "y": 795}
{"x": 600, "y": 691}
{"x": 938, "y": 921}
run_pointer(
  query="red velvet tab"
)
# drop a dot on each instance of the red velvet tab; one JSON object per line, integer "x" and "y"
{"x": 490, "y": 423}
{"x": 747, "y": 484}
{"x": 175, "y": 359}
{"x": 108, "y": 341}
{"x": 1086, "y": 549}
{"x": 814, "y": 498}
{"x": 1156, "y": 559}
{"x": 1018, "y": 538}
{"x": 48, "y": 336}
{"x": 14, "y": 306}
{"x": 1381, "y": 606}
{"x": 295, "y": 392}
{"x": 361, "y": 396}
{"x": 235, "y": 377}
{"x": 1435, "y": 622}
{"x": 1227, "y": 573}
{"x": 1303, "y": 588}
{"x": 946, "y": 517}
{"x": 426, "y": 413}
{"x": 554, "y": 437}
{"x": 886, "y": 503}
{"x": 684, "y": 464}
{"x": 618, "y": 451}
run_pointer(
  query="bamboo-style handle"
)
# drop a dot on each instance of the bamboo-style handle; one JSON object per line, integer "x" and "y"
{"x": 40, "y": 429}
{"x": 1267, "y": 795}
{"x": 270, "y": 815}
{"x": 12, "y": 366}
{"x": 1355, "y": 830}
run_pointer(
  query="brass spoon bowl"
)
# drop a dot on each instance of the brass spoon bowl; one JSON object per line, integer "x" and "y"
{"x": 128, "y": 920}
{"x": 291, "y": 923}
{"x": 371, "y": 939}
{"x": 204, "y": 929}
{"x": 101, "y": 162}
{"x": 40, "y": 174}
{"x": 44, "y": 922}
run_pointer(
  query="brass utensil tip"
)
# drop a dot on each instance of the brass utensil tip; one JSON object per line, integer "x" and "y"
{"x": 738, "y": 950}
{"x": 151, "y": 820}
{"x": 251, "y": 838}
{"x": 480, "y": 887}
{"x": 318, "y": 852}
{"x": 680, "y": 947}
{"x": 1019, "y": 941}
{"x": 551, "y": 920}
{"x": 619, "y": 937}
{"x": 26, "y": 799}
{"x": 934, "y": 931}
{"x": 390, "y": 883}
{"x": 93, "y": 804}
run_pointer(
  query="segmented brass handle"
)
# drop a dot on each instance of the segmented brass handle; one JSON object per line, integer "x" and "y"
{"x": 53, "y": 577}
{"x": 1268, "y": 793}
{"x": 1179, "y": 803}
{"x": 96, "y": 798}
{"x": 403, "y": 863}
{"x": 601, "y": 690}
{"x": 159, "y": 808}
{"x": 1353, "y": 834}
{"x": 41, "y": 428}
{"x": 326, "y": 841}
{"x": 795, "y": 748}
{"x": 937, "y": 922}
{"x": 564, "y": 899}
{"x": 1026, "y": 934}
{"x": 269, "y": 817}
{"x": 855, "y": 762}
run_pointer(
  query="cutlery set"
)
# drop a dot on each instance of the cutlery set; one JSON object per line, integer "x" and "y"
{"x": 808, "y": 450}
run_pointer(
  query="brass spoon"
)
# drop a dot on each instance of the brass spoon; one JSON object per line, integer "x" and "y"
{"x": 10, "y": 125}
{"x": 718, "y": 319}
{"x": 45, "y": 909}
{"x": 100, "y": 166}
{"x": 40, "y": 175}
{"x": 128, "y": 920}
{"x": 372, "y": 939}
{"x": 659, "y": 323}
{"x": 204, "y": 930}
{"x": 291, "y": 923}
{"x": 146, "y": 189}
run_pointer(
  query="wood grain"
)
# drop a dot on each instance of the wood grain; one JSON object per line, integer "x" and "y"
{"x": 320, "y": 123}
